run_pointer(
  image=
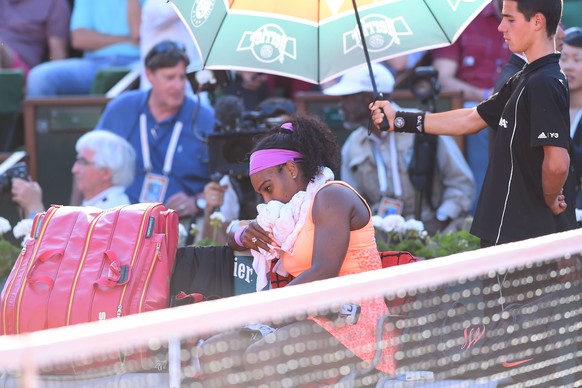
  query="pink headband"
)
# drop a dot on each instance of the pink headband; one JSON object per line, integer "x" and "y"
{"x": 263, "y": 159}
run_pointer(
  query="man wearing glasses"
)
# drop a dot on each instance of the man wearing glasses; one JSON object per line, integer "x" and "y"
{"x": 168, "y": 129}
{"x": 104, "y": 167}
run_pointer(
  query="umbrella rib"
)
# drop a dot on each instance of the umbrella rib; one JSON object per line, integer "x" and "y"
{"x": 319, "y": 76}
{"x": 218, "y": 29}
{"x": 437, "y": 21}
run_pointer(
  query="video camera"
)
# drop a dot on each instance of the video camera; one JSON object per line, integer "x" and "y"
{"x": 228, "y": 147}
{"x": 19, "y": 170}
{"x": 12, "y": 167}
{"x": 236, "y": 130}
{"x": 426, "y": 87}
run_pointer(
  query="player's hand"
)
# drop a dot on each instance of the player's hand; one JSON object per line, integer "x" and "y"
{"x": 255, "y": 237}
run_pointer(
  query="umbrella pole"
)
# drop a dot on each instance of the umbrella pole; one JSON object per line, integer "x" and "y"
{"x": 385, "y": 125}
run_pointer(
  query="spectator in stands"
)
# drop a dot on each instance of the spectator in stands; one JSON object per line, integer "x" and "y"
{"x": 159, "y": 22}
{"x": 402, "y": 66}
{"x": 377, "y": 165}
{"x": 32, "y": 31}
{"x": 107, "y": 33}
{"x": 472, "y": 65}
{"x": 571, "y": 64}
{"x": 168, "y": 130}
{"x": 288, "y": 87}
{"x": 330, "y": 235}
{"x": 104, "y": 167}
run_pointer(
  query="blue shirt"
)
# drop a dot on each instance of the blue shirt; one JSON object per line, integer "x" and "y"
{"x": 106, "y": 17}
{"x": 190, "y": 168}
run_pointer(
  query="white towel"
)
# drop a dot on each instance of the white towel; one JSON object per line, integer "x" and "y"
{"x": 284, "y": 221}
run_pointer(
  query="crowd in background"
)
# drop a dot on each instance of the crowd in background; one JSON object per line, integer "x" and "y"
{"x": 60, "y": 45}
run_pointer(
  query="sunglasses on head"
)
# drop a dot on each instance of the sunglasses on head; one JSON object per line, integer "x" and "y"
{"x": 166, "y": 46}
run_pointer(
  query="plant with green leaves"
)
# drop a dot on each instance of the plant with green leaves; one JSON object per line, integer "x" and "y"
{"x": 8, "y": 251}
{"x": 217, "y": 220}
{"x": 394, "y": 233}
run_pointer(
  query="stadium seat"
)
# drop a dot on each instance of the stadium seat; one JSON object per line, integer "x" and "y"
{"x": 11, "y": 91}
{"x": 106, "y": 78}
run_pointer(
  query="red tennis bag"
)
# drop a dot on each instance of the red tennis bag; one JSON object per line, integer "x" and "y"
{"x": 84, "y": 264}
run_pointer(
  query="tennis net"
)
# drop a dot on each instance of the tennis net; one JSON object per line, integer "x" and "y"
{"x": 502, "y": 316}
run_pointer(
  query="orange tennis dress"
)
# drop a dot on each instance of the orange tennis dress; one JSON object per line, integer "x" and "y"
{"x": 362, "y": 256}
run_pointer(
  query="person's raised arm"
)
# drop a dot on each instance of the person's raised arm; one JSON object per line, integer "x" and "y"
{"x": 554, "y": 174}
{"x": 455, "y": 122}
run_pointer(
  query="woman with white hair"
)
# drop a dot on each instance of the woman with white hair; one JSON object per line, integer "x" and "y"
{"x": 104, "y": 167}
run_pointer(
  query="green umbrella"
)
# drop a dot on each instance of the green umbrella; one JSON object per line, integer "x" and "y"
{"x": 316, "y": 40}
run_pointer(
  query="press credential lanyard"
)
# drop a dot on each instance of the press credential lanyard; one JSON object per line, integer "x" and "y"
{"x": 381, "y": 167}
{"x": 145, "y": 146}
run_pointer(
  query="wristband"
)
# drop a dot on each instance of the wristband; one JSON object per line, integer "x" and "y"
{"x": 238, "y": 234}
{"x": 409, "y": 122}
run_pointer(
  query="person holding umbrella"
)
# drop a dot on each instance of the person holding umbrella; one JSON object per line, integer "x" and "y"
{"x": 471, "y": 65}
{"x": 529, "y": 187}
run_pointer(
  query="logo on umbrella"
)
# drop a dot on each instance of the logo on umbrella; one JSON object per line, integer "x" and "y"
{"x": 380, "y": 33}
{"x": 269, "y": 43}
{"x": 201, "y": 10}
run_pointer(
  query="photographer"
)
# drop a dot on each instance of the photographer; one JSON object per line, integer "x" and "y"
{"x": 377, "y": 165}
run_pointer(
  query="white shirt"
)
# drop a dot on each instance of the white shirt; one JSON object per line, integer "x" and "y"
{"x": 108, "y": 198}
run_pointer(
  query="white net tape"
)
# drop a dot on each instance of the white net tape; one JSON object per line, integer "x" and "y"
{"x": 449, "y": 327}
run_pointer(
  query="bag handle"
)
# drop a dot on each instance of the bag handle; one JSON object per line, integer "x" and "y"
{"x": 42, "y": 258}
{"x": 117, "y": 274}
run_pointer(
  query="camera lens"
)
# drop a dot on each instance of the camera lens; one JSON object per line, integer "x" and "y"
{"x": 423, "y": 88}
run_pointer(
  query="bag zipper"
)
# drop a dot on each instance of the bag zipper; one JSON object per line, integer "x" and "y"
{"x": 138, "y": 248}
{"x": 80, "y": 266}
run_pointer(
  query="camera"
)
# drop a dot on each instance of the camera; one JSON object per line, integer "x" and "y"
{"x": 426, "y": 87}
{"x": 237, "y": 128}
{"x": 228, "y": 152}
{"x": 19, "y": 170}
